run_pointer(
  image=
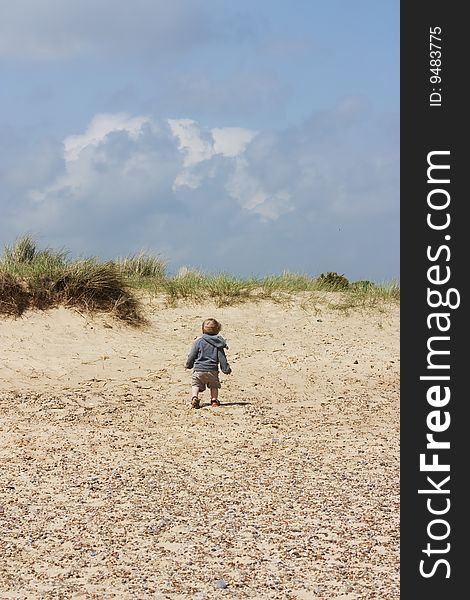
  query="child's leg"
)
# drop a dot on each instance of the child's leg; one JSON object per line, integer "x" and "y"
{"x": 195, "y": 396}
{"x": 215, "y": 396}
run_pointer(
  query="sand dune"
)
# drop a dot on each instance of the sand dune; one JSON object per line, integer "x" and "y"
{"x": 112, "y": 487}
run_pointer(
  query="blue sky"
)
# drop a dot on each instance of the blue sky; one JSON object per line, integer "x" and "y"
{"x": 252, "y": 137}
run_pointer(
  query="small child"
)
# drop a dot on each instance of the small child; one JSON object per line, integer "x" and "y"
{"x": 205, "y": 356}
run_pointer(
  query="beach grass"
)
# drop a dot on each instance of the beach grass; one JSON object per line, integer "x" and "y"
{"x": 31, "y": 278}
{"x": 34, "y": 278}
{"x": 141, "y": 266}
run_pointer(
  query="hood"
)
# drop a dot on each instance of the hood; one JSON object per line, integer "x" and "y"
{"x": 215, "y": 340}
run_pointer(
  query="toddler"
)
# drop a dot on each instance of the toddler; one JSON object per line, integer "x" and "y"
{"x": 206, "y": 355}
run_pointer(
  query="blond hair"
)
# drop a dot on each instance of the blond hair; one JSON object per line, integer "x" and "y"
{"x": 211, "y": 327}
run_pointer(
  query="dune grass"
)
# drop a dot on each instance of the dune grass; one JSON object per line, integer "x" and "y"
{"x": 32, "y": 278}
{"x": 226, "y": 290}
{"x": 43, "y": 278}
{"x": 142, "y": 266}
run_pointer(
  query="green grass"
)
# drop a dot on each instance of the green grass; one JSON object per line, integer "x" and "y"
{"x": 42, "y": 278}
{"x": 23, "y": 259}
{"x": 194, "y": 286}
{"x": 142, "y": 266}
{"x": 32, "y": 278}
{"x": 370, "y": 296}
{"x": 226, "y": 290}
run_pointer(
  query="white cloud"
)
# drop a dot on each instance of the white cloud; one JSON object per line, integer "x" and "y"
{"x": 259, "y": 172}
{"x": 117, "y": 161}
{"x": 231, "y": 141}
{"x": 100, "y": 126}
{"x": 191, "y": 141}
{"x": 316, "y": 197}
{"x": 199, "y": 146}
{"x": 89, "y": 160}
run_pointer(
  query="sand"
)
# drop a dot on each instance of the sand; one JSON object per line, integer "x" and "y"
{"x": 111, "y": 486}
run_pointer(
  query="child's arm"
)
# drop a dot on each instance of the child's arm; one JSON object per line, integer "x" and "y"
{"x": 224, "y": 366}
{"x": 192, "y": 356}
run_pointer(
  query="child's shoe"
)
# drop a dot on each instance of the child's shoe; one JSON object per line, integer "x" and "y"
{"x": 215, "y": 403}
{"x": 195, "y": 402}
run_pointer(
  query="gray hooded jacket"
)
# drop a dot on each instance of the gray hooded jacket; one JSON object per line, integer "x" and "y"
{"x": 207, "y": 353}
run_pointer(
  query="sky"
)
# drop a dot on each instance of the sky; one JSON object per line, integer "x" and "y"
{"x": 251, "y": 137}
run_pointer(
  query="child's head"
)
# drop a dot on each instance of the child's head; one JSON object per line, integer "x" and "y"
{"x": 211, "y": 327}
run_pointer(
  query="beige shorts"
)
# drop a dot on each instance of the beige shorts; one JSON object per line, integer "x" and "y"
{"x": 205, "y": 378}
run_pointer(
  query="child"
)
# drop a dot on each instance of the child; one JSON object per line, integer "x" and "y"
{"x": 205, "y": 356}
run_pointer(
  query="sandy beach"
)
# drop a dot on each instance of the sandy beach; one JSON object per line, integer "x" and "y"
{"x": 111, "y": 486}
